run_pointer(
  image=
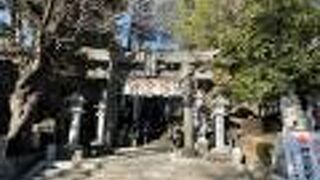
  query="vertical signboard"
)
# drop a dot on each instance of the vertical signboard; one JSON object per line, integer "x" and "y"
{"x": 302, "y": 151}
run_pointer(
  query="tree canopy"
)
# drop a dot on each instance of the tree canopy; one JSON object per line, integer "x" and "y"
{"x": 57, "y": 29}
{"x": 273, "y": 44}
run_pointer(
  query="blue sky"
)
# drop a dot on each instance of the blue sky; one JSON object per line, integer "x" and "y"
{"x": 155, "y": 39}
{"x": 4, "y": 15}
{"x": 26, "y": 36}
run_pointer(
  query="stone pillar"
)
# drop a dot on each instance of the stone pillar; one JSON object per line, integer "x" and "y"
{"x": 187, "y": 111}
{"x": 136, "y": 112}
{"x": 113, "y": 85}
{"x": 146, "y": 131}
{"x": 197, "y": 116}
{"x": 101, "y": 123}
{"x": 74, "y": 131}
{"x": 220, "y": 131}
{"x": 167, "y": 110}
{"x": 75, "y": 126}
{"x": 188, "y": 128}
{"x": 153, "y": 65}
{"x": 150, "y": 63}
{"x": 51, "y": 154}
{"x": 219, "y": 114}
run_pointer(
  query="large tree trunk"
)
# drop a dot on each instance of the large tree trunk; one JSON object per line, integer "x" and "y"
{"x": 24, "y": 97}
{"x": 22, "y": 102}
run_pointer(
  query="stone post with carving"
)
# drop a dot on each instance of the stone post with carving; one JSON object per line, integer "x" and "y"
{"x": 101, "y": 120}
{"x": 219, "y": 114}
{"x": 77, "y": 102}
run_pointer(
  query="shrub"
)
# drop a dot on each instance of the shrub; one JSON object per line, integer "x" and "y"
{"x": 264, "y": 153}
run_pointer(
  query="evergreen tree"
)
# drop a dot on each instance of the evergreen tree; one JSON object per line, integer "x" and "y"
{"x": 273, "y": 44}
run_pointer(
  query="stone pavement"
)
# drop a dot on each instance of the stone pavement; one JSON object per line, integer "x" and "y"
{"x": 141, "y": 164}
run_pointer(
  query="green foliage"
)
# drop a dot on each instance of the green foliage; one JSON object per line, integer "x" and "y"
{"x": 274, "y": 44}
{"x": 250, "y": 84}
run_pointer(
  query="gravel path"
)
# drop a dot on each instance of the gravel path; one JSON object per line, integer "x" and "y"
{"x": 137, "y": 164}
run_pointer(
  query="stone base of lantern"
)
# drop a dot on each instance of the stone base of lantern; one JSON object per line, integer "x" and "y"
{"x": 220, "y": 154}
{"x": 188, "y": 152}
{"x": 202, "y": 146}
{"x": 226, "y": 150}
{"x": 97, "y": 144}
{"x": 98, "y": 149}
{"x": 70, "y": 150}
{"x": 77, "y": 157}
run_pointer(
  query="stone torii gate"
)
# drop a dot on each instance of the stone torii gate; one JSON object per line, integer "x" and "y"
{"x": 183, "y": 78}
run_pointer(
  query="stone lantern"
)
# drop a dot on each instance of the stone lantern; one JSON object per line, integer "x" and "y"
{"x": 219, "y": 114}
{"x": 199, "y": 119}
{"x": 76, "y": 108}
{"x": 292, "y": 115}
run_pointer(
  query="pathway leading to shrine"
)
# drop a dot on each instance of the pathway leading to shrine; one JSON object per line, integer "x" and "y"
{"x": 142, "y": 164}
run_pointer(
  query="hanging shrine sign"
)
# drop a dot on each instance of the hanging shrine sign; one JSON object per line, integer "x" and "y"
{"x": 302, "y": 150}
{"x": 152, "y": 87}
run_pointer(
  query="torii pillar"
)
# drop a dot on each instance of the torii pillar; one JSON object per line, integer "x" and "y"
{"x": 188, "y": 122}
